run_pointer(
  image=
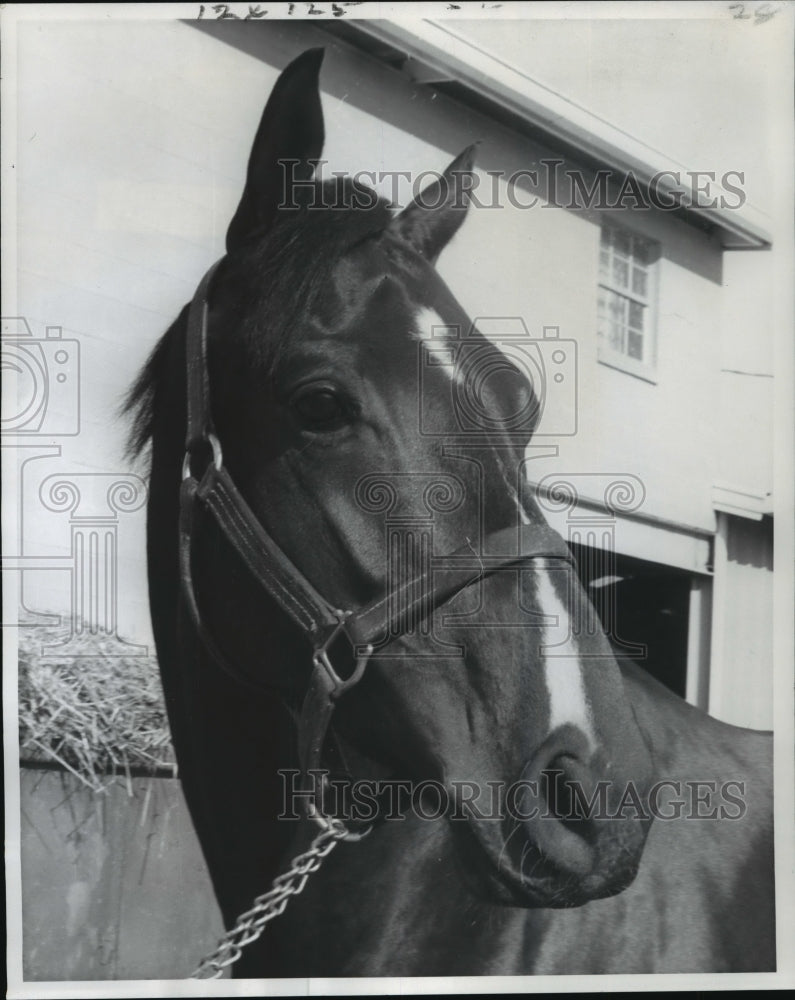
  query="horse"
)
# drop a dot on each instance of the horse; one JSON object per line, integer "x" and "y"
{"x": 351, "y": 581}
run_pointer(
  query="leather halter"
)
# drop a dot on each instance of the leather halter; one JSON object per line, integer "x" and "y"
{"x": 214, "y": 493}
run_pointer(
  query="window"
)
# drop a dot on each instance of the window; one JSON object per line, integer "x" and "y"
{"x": 626, "y": 321}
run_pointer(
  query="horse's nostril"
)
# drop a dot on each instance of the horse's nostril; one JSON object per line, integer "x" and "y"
{"x": 569, "y": 799}
{"x": 558, "y": 793}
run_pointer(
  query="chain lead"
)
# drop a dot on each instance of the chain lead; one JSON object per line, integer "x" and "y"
{"x": 250, "y": 925}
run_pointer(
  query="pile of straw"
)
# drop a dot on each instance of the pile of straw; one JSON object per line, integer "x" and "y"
{"x": 99, "y": 716}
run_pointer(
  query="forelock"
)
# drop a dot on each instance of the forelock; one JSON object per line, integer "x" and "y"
{"x": 276, "y": 280}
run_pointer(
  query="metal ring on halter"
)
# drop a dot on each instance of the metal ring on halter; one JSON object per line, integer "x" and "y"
{"x": 320, "y": 658}
{"x": 218, "y": 455}
{"x": 334, "y": 686}
{"x": 335, "y": 825}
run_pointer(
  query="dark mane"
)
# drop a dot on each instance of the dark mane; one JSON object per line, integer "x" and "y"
{"x": 271, "y": 281}
{"x": 139, "y": 403}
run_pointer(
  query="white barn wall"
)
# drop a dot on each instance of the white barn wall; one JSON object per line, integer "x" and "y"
{"x": 742, "y": 691}
{"x": 113, "y": 240}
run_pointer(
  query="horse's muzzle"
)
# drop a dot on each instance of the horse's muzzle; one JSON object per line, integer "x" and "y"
{"x": 572, "y": 829}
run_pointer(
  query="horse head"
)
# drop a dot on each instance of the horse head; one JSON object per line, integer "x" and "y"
{"x": 378, "y": 435}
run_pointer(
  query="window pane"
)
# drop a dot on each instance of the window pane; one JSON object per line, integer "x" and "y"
{"x": 620, "y": 272}
{"x": 625, "y": 284}
{"x": 617, "y": 308}
{"x": 639, "y": 282}
{"x": 635, "y": 345}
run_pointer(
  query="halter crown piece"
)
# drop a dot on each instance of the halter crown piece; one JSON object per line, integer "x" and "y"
{"x": 208, "y": 487}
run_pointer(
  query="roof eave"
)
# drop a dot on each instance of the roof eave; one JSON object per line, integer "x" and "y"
{"x": 436, "y": 52}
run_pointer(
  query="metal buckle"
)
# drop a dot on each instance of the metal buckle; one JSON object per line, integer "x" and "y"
{"x": 320, "y": 658}
{"x": 218, "y": 455}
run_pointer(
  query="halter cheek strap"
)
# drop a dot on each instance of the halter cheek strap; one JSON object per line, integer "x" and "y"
{"x": 211, "y": 493}
{"x": 201, "y": 431}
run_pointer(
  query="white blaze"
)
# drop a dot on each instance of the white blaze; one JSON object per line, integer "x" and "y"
{"x": 562, "y": 664}
{"x": 431, "y": 330}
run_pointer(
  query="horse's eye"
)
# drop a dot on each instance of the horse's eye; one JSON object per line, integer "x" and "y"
{"x": 320, "y": 408}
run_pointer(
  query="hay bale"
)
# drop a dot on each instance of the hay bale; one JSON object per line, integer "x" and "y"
{"x": 101, "y": 717}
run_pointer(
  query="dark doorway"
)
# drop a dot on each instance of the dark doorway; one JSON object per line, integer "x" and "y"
{"x": 640, "y": 604}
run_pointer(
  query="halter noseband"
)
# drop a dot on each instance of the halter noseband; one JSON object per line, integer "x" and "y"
{"x": 214, "y": 492}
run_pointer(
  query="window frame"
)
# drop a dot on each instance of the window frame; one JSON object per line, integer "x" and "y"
{"x": 647, "y": 368}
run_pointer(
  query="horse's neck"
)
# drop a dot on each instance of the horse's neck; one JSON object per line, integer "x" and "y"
{"x": 685, "y": 740}
{"x": 400, "y": 904}
{"x": 382, "y": 895}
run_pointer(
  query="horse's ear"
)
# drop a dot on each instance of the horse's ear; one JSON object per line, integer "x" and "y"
{"x": 434, "y": 216}
{"x": 289, "y": 138}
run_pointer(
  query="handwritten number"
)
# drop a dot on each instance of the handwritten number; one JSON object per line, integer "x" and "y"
{"x": 764, "y": 13}
{"x": 759, "y": 14}
{"x": 740, "y": 11}
{"x": 224, "y": 11}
